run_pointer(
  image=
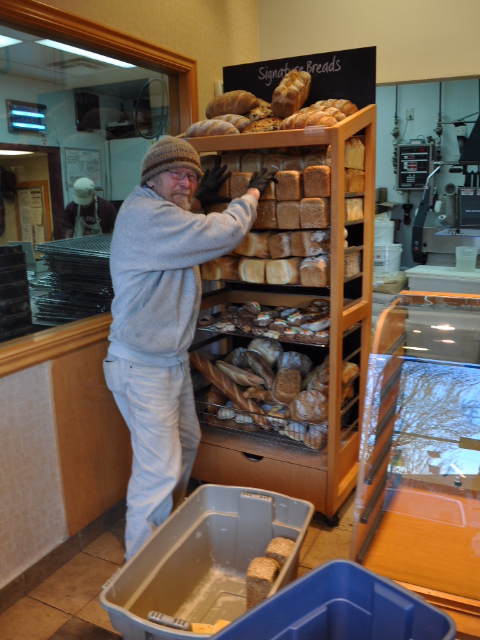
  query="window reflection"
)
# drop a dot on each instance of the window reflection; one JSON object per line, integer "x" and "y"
{"x": 100, "y": 119}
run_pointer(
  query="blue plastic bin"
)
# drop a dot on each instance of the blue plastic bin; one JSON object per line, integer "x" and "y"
{"x": 342, "y": 600}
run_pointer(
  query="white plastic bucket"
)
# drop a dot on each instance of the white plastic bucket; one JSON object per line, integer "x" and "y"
{"x": 384, "y": 232}
{"x": 465, "y": 258}
{"x": 386, "y": 258}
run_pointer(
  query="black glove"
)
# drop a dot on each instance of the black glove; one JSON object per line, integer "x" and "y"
{"x": 211, "y": 183}
{"x": 261, "y": 179}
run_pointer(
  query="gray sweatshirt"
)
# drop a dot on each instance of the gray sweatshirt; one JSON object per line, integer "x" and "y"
{"x": 155, "y": 252}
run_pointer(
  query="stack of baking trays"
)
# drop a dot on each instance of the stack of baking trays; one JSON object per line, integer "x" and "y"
{"x": 78, "y": 279}
{"x": 15, "y": 312}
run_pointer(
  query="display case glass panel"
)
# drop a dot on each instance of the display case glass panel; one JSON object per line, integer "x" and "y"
{"x": 417, "y": 509}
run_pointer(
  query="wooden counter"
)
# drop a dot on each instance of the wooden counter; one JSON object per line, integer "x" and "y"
{"x": 92, "y": 439}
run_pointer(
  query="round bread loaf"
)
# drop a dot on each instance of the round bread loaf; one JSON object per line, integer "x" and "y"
{"x": 238, "y": 101}
{"x": 309, "y": 406}
{"x": 211, "y": 128}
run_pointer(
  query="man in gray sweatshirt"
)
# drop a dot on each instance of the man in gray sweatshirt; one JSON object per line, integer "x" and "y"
{"x": 157, "y": 246}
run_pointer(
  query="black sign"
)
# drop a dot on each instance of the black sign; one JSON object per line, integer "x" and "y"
{"x": 348, "y": 74}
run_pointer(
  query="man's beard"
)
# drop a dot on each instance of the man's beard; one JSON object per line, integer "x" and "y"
{"x": 182, "y": 200}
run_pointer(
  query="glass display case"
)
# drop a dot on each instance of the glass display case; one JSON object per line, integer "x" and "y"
{"x": 417, "y": 509}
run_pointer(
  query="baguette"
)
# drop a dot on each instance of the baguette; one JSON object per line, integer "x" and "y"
{"x": 238, "y": 101}
{"x": 211, "y": 128}
{"x": 227, "y": 386}
{"x": 238, "y": 375}
{"x": 290, "y": 95}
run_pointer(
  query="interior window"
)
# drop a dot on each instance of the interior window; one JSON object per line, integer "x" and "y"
{"x": 65, "y": 114}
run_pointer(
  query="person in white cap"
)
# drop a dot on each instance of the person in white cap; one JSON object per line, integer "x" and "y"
{"x": 158, "y": 243}
{"x": 88, "y": 214}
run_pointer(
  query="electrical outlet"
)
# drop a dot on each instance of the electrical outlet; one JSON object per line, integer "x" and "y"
{"x": 410, "y": 113}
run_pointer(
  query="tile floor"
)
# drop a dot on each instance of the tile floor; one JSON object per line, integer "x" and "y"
{"x": 66, "y": 606}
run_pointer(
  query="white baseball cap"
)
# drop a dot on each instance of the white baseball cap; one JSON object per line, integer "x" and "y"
{"x": 83, "y": 191}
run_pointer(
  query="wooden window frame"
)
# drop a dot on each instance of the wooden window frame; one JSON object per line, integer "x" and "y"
{"x": 39, "y": 19}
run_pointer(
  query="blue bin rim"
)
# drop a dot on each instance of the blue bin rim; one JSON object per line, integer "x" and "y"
{"x": 272, "y": 610}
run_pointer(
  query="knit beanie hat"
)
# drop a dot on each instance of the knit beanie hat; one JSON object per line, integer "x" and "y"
{"x": 170, "y": 153}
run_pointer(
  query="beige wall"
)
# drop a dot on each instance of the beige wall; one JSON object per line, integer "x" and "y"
{"x": 216, "y": 33}
{"x": 415, "y": 39}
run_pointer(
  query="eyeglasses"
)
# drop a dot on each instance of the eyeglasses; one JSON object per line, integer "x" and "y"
{"x": 181, "y": 175}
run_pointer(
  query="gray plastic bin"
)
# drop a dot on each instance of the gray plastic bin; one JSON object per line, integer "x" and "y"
{"x": 194, "y": 566}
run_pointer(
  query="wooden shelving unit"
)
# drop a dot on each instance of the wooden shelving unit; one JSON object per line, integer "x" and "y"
{"x": 326, "y": 478}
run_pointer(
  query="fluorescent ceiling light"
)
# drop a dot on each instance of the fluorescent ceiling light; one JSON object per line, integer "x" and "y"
{"x": 5, "y": 152}
{"x": 5, "y": 41}
{"x": 83, "y": 52}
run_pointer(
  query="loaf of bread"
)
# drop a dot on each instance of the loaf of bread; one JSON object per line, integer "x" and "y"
{"x": 261, "y": 575}
{"x": 309, "y": 406}
{"x": 264, "y": 110}
{"x": 345, "y": 106}
{"x": 254, "y": 245}
{"x": 352, "y": 264}
{"x": 319, "y": 119}
{"x": 283, "y": 271}
{"x": 211, "y": 128}
{"x": 266, "y": 215}
{"x": 289, "y": 185}
{"x": 315, "y": 272}
{"x": 295, "y": 360}
{"x": 223, "y": 268}
{"x": 288, "y": 215}
{"x": 251, "y": 270}
{"x": 280, "y": 549}
{"x": 316, "y": 436}
{"x": 239, "y": 181}
{"x": 316, "y": 181}
{"x": 294, "y": 163}
{"x": 238, "y": 375}
{"x": 259, "y": 365}
{"x": 208, "y": 161}
{"x": 273, "y": 161}
{"x": 280, "y": 245}
{"x": 216, "y": 207}
{"x": 334, "y": 112}
{"x": 271, "y": 350}
{"x": 308, "y": 118}
{"x": 251, "y": 162}
{"x": 226, "y": 386}
{"x": 354, "y": 180}
{"x": 238, "y": 101}
{"x": 233, "y": 161}
{"x": 236, "y": 119}
{"x": 316, "y": 158}
{"x": 314, "y": 213}
{"x": 296, "y": 120}
{"x": 291, "y": 93}
{"x": 287, "y": 385}
{"x": 354, "y": 154}
{"x": 263, "y": 125}
{"x": 215, "y": 399}
{"x": 310, "y": 243}
{"x": 353, "y": 209}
